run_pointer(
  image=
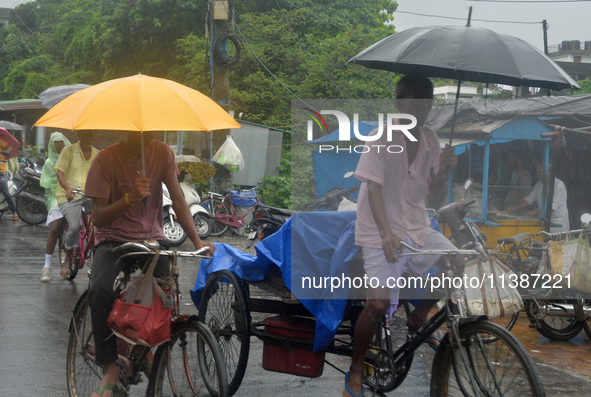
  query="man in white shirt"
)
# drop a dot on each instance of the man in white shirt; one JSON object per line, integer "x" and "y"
{"x": 559, "y": 208}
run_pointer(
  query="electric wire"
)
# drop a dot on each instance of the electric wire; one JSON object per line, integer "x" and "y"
{"x": 267, "y": 69}
{"x": 464, "y": 19}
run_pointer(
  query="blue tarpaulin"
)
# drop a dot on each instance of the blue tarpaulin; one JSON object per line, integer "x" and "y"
{"x": 323, "y": 244}
{"x": 330, "y": 167}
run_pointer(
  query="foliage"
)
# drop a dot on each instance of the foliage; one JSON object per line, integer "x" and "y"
{"x": 291, "y": 48}
{"x": 585, "y": 86}
{"x": 276, "y": 190}
{"x": 294, "y": 186}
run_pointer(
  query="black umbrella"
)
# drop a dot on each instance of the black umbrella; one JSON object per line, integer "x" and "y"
{"x": 465, "y": 53}
{"x": 10, "y": 126}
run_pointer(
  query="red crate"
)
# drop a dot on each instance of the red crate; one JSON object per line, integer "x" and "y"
{"x": 285, "y": 358}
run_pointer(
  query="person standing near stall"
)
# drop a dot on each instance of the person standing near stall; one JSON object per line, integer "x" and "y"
{"x": 559, "y": 208}
{"x": 521, "y": 181}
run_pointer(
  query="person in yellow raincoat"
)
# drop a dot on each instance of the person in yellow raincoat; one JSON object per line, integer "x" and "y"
{"x": 55, "y": 219}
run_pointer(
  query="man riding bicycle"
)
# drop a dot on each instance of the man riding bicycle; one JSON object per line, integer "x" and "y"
{"x": 391, "y": 210}
{"x": 127, "y": 206}
{"x": 72, "y": 167}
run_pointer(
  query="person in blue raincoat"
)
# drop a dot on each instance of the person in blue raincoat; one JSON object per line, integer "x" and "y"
{"x": 55, "y": 219}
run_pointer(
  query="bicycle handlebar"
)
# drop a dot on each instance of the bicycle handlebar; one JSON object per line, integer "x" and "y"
{"x": 545, "y": 233}
{"x": 141, "y": 249}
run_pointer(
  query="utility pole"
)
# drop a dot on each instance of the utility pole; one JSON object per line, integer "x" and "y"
{"x": 220, "y": 82}
{"x": 218, "y": 23}
{"x": 545, "y": 27}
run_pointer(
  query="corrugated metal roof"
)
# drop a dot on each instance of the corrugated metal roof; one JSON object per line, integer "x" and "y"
{"x": 21, "y": 104}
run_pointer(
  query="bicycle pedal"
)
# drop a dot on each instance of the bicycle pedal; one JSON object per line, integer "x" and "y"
{"x": 534, "y": 326}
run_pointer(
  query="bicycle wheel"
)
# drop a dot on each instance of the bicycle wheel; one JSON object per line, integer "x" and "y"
{"x": 506, "y": 322}
{"x": 379, "y": 366}
{"x": 224, "y": 311}
{"x": 178, "y": 369}
{"x": 501, "y": 367}
{"x": 216, "y": 206}
{"x": 580, "y": 305}
{"x": 83, "y": 375}
{"x": 76, "y": 259}
{"x": 553, "y": 327}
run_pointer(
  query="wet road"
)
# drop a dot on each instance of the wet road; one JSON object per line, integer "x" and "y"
{"x": 34, "y": 318}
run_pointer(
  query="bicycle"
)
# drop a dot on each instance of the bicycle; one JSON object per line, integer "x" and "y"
{"x": 173, "y": 369}
{"x": 475, "y": 357}
{"x": 555, "y": 314}
{"x": 81, "y": 255}
{"x": 222, "y": 211}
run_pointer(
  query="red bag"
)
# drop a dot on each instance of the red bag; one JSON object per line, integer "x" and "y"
{"x": 143, "y": 314}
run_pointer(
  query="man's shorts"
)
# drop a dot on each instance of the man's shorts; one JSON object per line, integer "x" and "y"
{"x": 53, "y": 215}
{"x": 376, "y": 265}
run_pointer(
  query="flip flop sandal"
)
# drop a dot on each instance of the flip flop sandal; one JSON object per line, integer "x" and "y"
{"x": 69, "y": 267}
{"x": 15, "y": 218}
{"x": 436, "y": 336}
{"x": 117, "y": 391}
{"x": 350, "y": 391}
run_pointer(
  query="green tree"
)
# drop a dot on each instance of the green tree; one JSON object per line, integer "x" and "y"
{"x": 585, "y": 86}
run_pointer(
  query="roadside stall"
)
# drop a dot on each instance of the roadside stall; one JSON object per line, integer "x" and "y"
{"x": 489, "y": 132}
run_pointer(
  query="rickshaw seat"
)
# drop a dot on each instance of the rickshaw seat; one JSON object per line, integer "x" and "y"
{"x": 513, "y": 240}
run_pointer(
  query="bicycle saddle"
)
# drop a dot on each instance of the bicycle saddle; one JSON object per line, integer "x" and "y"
{"x": 513, "y": 240}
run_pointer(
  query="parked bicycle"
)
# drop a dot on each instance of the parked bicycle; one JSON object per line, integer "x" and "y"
{"x": 174, "y": 369}
{"x": 557, "y": 313}
{"x": 223, "y": 212}
{"x": 81, "y": 255}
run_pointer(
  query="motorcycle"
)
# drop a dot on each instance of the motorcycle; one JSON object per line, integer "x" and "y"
{"x": 335, "y": 196}
{"x": 173, "y": 232}
{"x": 266, "y": 221}
{"x": 30, "y": 196}
{"x": 462, "y": 231}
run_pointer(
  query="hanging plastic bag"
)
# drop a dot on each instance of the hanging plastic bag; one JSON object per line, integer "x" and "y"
{"x": 495, "y": 297}
{"x": 571, "y": 263}
{"x": 229, "y": 156}
{"x": 143, "y": 313}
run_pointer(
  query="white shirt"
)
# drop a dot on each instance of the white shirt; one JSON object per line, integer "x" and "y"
{"x": 559, "y": 209}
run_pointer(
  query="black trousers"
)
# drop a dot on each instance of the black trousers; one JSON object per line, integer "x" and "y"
{"x": 6, "y": 193}
{"x": 101, "y": 298}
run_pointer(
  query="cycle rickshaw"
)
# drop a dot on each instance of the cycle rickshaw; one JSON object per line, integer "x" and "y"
{"x": 475, "y": 357}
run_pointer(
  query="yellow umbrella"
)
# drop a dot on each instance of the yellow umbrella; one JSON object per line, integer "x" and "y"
{"x": 138, "y": 103}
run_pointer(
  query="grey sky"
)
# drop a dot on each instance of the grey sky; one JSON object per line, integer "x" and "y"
{"x": 11, "y": 3}
{"x": 568, "y": 21}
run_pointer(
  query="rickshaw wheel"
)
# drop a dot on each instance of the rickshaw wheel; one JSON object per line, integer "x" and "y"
{"x": 224, "y": 310}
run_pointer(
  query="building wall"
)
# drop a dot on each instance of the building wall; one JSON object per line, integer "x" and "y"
{"x": 261, "y": 150}
{"x": 585, "y": 58}
{"x": 4, "y": 17}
